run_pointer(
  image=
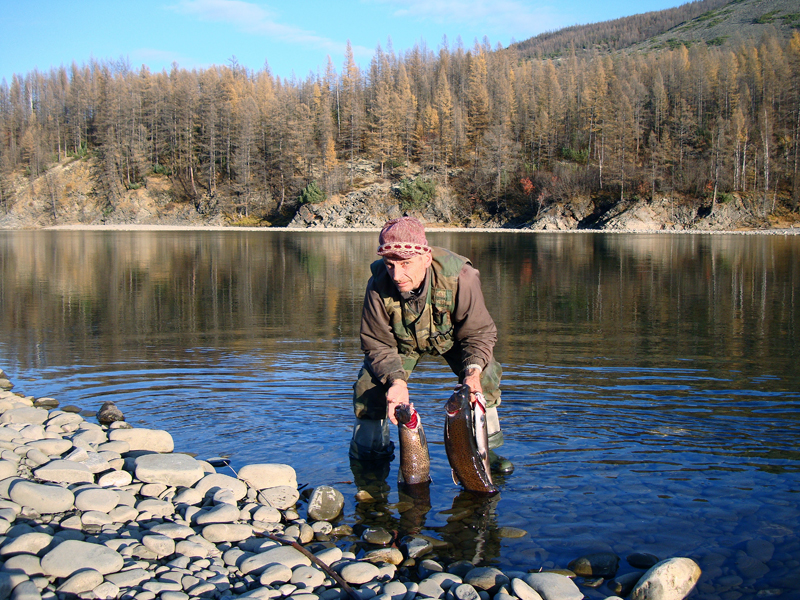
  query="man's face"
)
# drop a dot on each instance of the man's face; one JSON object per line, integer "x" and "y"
{"x": 408, "y": 273}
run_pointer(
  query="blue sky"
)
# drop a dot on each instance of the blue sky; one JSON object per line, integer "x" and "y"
{"x": 294, "y": 37}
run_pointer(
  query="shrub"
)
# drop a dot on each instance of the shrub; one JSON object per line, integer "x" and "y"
{"x": 416, "y": 193}
{"x": 312, "y": 194}
{"x": 160, "y": 169}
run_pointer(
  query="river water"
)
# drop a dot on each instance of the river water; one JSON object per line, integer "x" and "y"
{"x": 651, "y": 392}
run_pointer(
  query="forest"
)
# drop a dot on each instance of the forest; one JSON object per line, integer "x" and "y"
{"x": 507, "y": 133}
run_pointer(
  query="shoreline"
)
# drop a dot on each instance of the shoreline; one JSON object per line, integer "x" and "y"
{"x": 431, "y": 228}
{"x": 109, "y": 511}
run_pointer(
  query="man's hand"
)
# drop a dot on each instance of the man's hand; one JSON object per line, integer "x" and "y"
{"x": 472, "y": 378}
{"x": 396, "y": 394}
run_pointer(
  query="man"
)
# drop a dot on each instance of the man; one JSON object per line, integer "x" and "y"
{"x": 420, "y": 300}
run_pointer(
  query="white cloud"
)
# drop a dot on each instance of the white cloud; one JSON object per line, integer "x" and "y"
{"x": 254, "y": 19}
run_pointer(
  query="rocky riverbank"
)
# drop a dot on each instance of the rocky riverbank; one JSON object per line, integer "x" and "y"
{"x": 102, "y": 510}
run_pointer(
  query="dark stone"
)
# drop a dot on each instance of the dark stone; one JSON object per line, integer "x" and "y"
{"x": 597, "y": 564}
{"x": 641, "y": 560}
{"x": 623, "y": 584}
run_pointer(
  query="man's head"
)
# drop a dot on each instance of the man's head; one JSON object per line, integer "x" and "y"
{"x": 405, "y": 251}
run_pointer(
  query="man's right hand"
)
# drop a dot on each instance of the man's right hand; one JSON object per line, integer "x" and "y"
{"x": 396, "y": 394}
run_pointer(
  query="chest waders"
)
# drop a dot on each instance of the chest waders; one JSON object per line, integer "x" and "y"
{"x": 426, "y": 331}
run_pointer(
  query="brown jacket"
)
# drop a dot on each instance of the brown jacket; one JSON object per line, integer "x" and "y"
{"x": 474, "y": 331}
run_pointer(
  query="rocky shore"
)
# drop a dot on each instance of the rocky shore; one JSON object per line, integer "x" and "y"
{"x": 102, "y": 510}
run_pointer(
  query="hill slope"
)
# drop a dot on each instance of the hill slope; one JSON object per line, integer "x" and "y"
{"x": 712, "y": 22}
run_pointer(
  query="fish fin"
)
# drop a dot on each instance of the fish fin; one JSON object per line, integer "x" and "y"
{"x": 455, "y": 477}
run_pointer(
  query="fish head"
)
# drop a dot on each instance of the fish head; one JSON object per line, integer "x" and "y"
{"x": 406, "y": 415}
{"x": 459, "y": 401}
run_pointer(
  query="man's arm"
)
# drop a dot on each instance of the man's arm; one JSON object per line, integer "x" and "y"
{"x": 474, "y": 328}
{"x": 380, "y": 351}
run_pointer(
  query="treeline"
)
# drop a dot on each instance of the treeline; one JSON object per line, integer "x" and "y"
{"x": 508, "y": 134}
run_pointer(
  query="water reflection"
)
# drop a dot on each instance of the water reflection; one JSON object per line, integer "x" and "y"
{"x": 650, "y": 394}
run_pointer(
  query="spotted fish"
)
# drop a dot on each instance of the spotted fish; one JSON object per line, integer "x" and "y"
{"x": 415, "y": 463}
{"x": 466, "y": 441}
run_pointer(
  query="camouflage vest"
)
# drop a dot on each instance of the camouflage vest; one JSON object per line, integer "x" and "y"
{"x": 430, "y": 331}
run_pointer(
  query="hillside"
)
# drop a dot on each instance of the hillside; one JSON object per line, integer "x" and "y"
{"x": 713, "y": 22}
{"x": 471, "y": 137}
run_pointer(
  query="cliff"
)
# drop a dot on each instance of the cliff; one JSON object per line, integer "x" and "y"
{"x": 69, "y": 194}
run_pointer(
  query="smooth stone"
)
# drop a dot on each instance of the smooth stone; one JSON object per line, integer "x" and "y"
{"x": 222, "y": 513}
{"x": 161, "y": 545}
{"x": 445, "y": 580}
{"x": 267, "y": 514}
{"x": 191, "y": 549}
{"x": 462, "y": 591}
{"x": 26, "y": 590}
{"x": 275, "y": 573}
{"x": 512, "y": 532}
{"x": 415, "y": 546}
{"x": 84, "y": 580}
{"x": 27, "y": 543}
{"x": 395, "y": 590}
{"x": 326, "y": 503}
{"x": 169, "y": 595}
{"x": 7, "y": 469}
{"x": 176, "y": 531}
{"x": 189, "y": 496}
{"x": 123, "y": 514}
{"x": 117, "y": 478}
{"x": 64, "y": 471}
{"x": 623, "y": 584}
{"x": 51, "y": 447}
{"x": 552, "y": 586}
{"x": 389, "y": 555}
{"x": 227, "y": 532}
{"x": 99, "y": 499}
{"x": 106, "y": 591}
{"x": 266, "y": 475}
{"x": 73, "y": 555}
{"x": 28, "y": 564}
{"x": 523, "y": 591}
{"x": 307, "y": 577}
{"x": 224, "y": 496}
{"x": 154, "y": 440}
{"x": 761, "y": 550}
{"x": 280, "y": 497}
{"x": 596, "y": 564}
{"x": 95, "y": 517}
{"x": 486, "y": 578}
{"x": 377, "y": 535}
{"x": 670, "y": 579}
{"x": 129, "y": 578}
{"x": 641, "y": 560}
{"x": 158, "y": 587}
{"x": 109, "y": 413}
{"x": 43, "y": 498}
{"x": 25, "y": 414}
{"x": 285, "y": 555}
{"x": 215, "y": 481}
{"x": 359, "y": 572}
{"x": 158, "y": 508}
{"x": 168, "y": 469}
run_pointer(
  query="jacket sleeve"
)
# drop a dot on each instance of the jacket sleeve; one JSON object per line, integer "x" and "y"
{"x": 473, "y": 327}
{"x": 377, "y": 340}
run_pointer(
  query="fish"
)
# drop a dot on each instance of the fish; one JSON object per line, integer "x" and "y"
{"x": 466, "y": 441}
{"x": 415, "y": 462}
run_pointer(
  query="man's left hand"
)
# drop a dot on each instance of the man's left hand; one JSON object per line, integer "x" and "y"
{"x": 472, "y": 378}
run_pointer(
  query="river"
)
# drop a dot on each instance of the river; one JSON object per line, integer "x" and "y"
{"x": 651, "y": 391}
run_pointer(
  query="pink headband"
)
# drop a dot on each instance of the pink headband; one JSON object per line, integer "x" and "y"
{"x": 403, "y": 238}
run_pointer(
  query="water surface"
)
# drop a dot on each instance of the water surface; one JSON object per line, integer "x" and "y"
{"x": 651, "y": 393}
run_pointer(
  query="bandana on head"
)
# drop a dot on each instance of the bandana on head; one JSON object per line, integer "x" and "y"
{"x": 403, "y": 238}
